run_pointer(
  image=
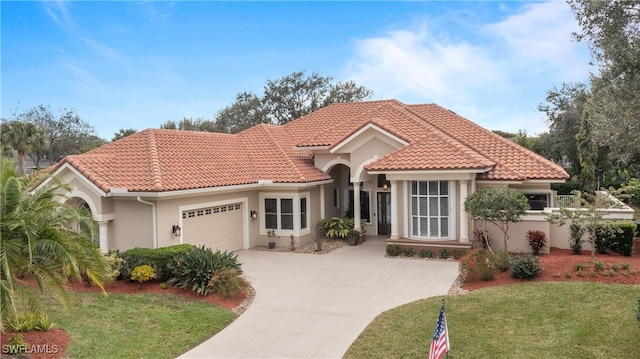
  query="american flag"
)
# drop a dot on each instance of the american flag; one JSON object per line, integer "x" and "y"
{"x": 440, "y": 342}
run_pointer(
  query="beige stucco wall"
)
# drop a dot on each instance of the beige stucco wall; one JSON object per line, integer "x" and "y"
{"x": 132, "y": 225}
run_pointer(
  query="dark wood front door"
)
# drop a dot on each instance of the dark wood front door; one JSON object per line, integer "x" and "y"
{"x": 384, "y": 213}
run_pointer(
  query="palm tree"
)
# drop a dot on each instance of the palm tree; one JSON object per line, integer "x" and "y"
{"x": 38, "y": 244}
{"x": 24, "y": 137}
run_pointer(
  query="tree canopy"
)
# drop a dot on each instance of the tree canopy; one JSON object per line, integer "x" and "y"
{"x": 499, "y": 205}
{"x": 612, "y": 31}
{"x": 122, "y": 133}
{"x": 67, "y": 133}
{"x": 287, "y": 99}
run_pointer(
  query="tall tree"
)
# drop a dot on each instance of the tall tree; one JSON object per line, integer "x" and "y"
{"x": 23, "y": 137}
{"x": 612, "y": 31}
{"x": 587, "y": 151}
{"x": 287, "y": 99}
{"x": 190, "y": 124}
{"x": 37, "y": 243}
{"x": 123, "y": 133}
{"x": 68, "y": 134}
{"x": 246, "y": 112}
{"x": 563, "y": 108}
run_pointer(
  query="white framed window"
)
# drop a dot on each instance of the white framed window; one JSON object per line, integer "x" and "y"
{"x": 285, "y": 213}
{"x": 430, "y": 202}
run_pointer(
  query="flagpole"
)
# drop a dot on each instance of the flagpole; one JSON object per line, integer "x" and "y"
{"x": 447, "y": 332}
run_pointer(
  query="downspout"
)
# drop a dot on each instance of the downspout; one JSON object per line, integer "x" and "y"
{"x": 153, "y": 221}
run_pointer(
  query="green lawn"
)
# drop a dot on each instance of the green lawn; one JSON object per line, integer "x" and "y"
{"x": 532, "y": 320}
{"x": 136, "y": 326}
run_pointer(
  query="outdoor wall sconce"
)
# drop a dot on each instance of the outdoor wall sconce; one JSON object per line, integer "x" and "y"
{"x": 385, "y": 186}
{"x": 176, "y": 230}
{"x": 254, "y": 215}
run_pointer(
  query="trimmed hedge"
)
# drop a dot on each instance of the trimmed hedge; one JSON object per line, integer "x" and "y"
{"x": 615, "y": 237}
{"x": 156, "y": 258}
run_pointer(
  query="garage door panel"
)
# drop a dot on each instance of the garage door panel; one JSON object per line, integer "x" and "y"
{"x": 217, "y": 227}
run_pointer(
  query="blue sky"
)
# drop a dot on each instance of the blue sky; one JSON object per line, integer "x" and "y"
{"x": 138, "y": 64}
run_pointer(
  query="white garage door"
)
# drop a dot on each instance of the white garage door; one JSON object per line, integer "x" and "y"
{"x": 216, "y": 227}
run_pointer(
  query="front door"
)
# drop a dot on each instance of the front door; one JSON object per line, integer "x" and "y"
{"x": 384, "y": 213}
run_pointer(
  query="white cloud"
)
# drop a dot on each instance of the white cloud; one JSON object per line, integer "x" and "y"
{"x": 495, "y": 76}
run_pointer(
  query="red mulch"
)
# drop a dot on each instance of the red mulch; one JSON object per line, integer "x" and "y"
{"x": 554, "y": 268}
{"x": 52, "y": 344}
{"x": 556, "y": 264}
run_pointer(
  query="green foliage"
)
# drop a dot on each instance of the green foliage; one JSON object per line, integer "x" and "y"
{"x": 196, "y": 268}
{"x": 458, "y": 253}
{"x": 478, "y": 266}
{"x": 16, "y": 344}
{"x": 426, "y": 253}
{"x": 409, "y": 252}
{"x": 598, "y": 265}
{"x": 287, "y": 99}
{"x": 29, "y": 321}
{"x": 157, "y": 258}
{"x": 576, "y": 231}
{"x": 228, "y": 282}
{"x": 638, "y": 311}
{"x": 338, "y": 228}
{"x": 502, "y": 261}
{"x": 580, "y": 266}
{"x": 142, "y": 273}
{"x": 394, "y": 249}
{"x": 122, "y": 133}
{"x": 444, "y": 253}
{"x": 36, "y": 242}
{"x": 525, "y": 266}
{"x": 499, "y": 205}
{"x": 629, "y": 192}
{"x": 537, "y": 240}
{"x": 615, "y": 237}
{"x": 114, "y": 263}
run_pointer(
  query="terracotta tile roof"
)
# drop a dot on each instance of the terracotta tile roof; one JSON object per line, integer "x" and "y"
{"x": 157, "y": 160}
{"x": 513, "y": 162}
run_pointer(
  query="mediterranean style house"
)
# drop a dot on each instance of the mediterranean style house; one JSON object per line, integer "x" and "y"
{"x": 403, "y": 171}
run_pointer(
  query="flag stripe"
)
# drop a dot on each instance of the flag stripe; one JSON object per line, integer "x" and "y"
{"x": 440, "y": 342}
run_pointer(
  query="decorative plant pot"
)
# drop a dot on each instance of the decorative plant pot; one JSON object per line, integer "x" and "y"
{"x": 272, "y": 245}
{"x": 360, "y": 238}
{"x": 353, "y": 241}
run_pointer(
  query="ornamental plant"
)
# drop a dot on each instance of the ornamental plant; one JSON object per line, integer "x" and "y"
{"x": 525, "y": 267}
{"x": 537, "y": 240}
{"x": 142, "y": 274}
{"x": 478, "y": 266}
{"x": 202, "y": 270}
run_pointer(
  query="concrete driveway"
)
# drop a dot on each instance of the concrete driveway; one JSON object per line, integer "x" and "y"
{"x": 315, "y": 306}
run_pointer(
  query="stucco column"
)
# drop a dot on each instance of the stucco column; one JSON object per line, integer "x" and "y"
{"x": 464, "y": 218}
{"x": 322, "y": 204}
{"x": 395, "y": 223}
{"x": 356, "y": 206}
{"x": 104, "y": 235}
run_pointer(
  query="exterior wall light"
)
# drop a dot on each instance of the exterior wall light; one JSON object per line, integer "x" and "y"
{"x": 254, "y": 215}
{"x": 176, "y": 230}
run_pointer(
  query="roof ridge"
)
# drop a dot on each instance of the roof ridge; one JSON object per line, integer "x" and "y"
{"x": 154, "y": 160}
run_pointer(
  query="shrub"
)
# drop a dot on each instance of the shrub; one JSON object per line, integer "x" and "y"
{"x": 458, "y": 253}
{"x": 537, "y": 240}
{"x": 614, "y": 266}
{"x": 605, "y": 238}
{"x": 16, "y": 345}
{"x": 567, "y": 274}
{"x": 579, "y": 266}
{"x": 394, "y": 249}
{"x": 423, "y": 253}
{"x": 503, "y": 261}
{"x": 409, "y": 252}
{"x": 625, "y": 265}
{"x": 576, "y": 231}
{"x": 142, "y": 274}
{"x": 624, "y": 236}
{"x": 444, "y": 253}
{"x": 196, "y": 268}
{"x": 478, "y": 266}
{"x": 114, "y": 261}
{"x": 525, "y": 267}
{"x": 228, "y": 282}
{"x": 598, "y": 265}
{"x": 157, "y": 258}
{"x": 29, "y": 321}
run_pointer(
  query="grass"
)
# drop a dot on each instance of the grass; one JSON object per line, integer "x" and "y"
{"x": 533, "y": 320}
{"x": 136, "y": 326}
